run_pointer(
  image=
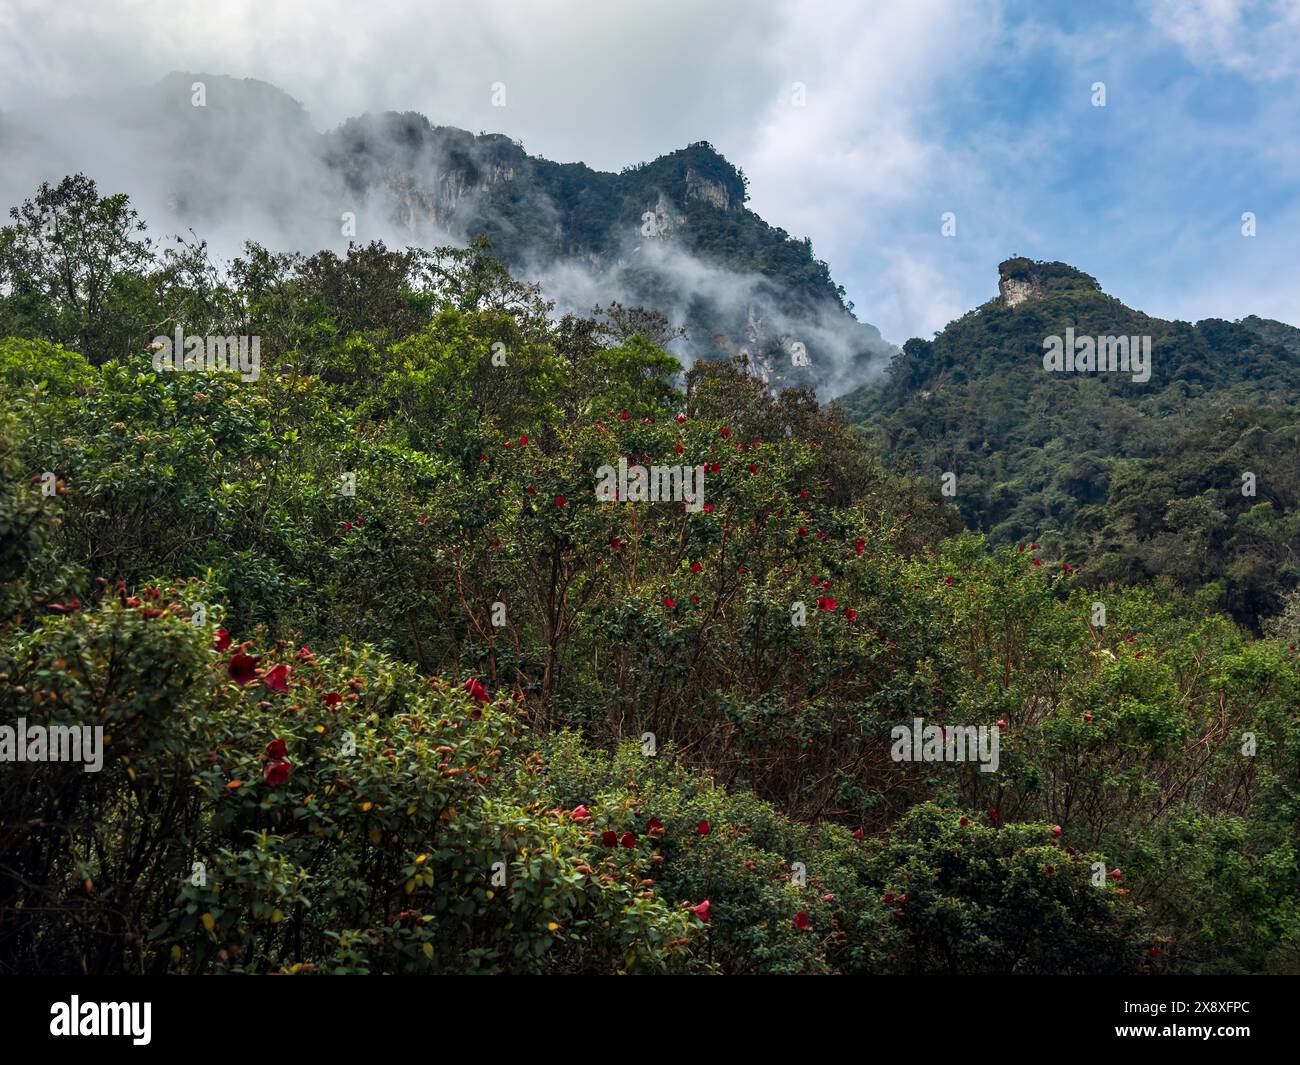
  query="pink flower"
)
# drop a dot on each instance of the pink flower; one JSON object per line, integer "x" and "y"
{"x": 704, "y": 910}
{"x": 580, "y": 813}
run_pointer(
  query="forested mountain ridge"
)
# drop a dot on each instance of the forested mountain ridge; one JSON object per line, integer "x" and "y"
{"x": 1064, "y": 457}
{"x": 673, "y": 234}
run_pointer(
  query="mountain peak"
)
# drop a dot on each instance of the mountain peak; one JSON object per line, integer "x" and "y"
{"x": 1021, "y": 279}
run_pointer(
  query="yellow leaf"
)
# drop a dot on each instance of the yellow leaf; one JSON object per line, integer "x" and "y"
{"x": 209, "y": 922}
{"x": 176, "y": 952}
{"x": 277, "y": 915}
{"x": 420, "y": 859}
{"x": 428, "y": 950}
{"x": 366, "y": 806}
{"x": 410, "y": 885}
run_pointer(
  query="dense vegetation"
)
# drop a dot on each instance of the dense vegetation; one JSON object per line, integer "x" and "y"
{"x": 385, "y": 689}
{"x": 1139, "y": 482}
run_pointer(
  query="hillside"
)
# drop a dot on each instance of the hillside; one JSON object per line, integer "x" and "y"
{"x": 1133, "y": 479}
{"x": 372, "y": 678}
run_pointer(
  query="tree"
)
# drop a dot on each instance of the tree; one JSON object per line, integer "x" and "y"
{"x": 63, "y": 264}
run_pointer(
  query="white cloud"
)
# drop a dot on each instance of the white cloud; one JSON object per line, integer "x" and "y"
{"x": 1259, "y": 39}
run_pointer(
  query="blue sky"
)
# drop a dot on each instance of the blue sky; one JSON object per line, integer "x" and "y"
{"x": 913, "y": 108}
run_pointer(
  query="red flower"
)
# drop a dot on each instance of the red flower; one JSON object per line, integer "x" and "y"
{"x": 725, "y": 431}
{"x": 859, "y": 545}
{"x": 1056, "y": 830}
{"x": 681, "y": 418}
{"x": 964, "y": 822}
{"x": 696, "y": 567}
{"x": 708, "y": 508}
{"x": 801, "y": 921}
{"x": 475, "y": 687}
{"x": 275, "y": 750}
{"x": 947, "y": 580}
{"x": 222, "y": 641}
{"x": 276, "y": 773}
{"x": 850, "y": 613}
{"x": 1115, "y": 874}
{"x": 993, "y": 814}
{"x": 560, "y": 501}
{"x": 704, "y": 910}
{"x": 1153, "y": 952}
{"x": 857, "y": 833}
{"x": 1049, "y": 869}
{"x": 654, "y": 827}
{"x": 679, "y": 448}
{"x": 669, "y": 602}
{"x": 803, "y": 531}
{"x": 423, "y": 519}
{"x": 609, "y": 837}
{"x": 580, "y": 813}
{"x": 241, "y": 667}
{"x": 703, "y": 828}
{"x": 277, "y": 677}
{"x": 628, "y": 840}
{"x": 523, "y": 440}
{"x": 332, "y": 698}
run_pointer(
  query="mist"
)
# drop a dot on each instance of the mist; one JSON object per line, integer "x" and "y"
{"x": 232, "y": 160}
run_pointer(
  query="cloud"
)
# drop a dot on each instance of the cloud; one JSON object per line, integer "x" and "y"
{"x": 1259, "y": 39}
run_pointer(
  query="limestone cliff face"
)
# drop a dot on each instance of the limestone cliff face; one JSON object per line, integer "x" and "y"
{"x": 698, "y": 187}
{"x": 1015, "y": 290}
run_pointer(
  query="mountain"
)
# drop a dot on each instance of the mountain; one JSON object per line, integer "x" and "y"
{"x": 1133, "y": 479}
{"x": 230, "y": 157}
